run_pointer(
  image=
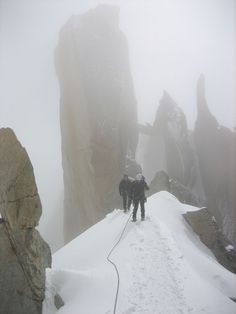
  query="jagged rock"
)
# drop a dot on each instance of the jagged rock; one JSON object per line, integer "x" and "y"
{"x": 170, "y": 125}
{"x": 204, "y": 224}
{"x": 23, "y": 253}
{"x": 98, "y": 115}
{"x": 162, "y": 182}
{"x": 216, "y": 150}
{"x": 171, "y": 148}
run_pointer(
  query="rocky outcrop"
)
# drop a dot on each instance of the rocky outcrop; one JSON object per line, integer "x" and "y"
{"x": 170, "y": 127}
{"x": 201, "y": 164}
{"x": 23, "y": 253}
{"x": 205, "y": 226}
{"x": 216, "y": 150}
{"x": 98, "y": 115}
{"x": 171, "y": 148}
{"x": 162, "y": 182}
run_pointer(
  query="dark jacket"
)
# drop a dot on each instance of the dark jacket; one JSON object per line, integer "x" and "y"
{"x": 138, "y": 190}
{"x": 125, "y": 186}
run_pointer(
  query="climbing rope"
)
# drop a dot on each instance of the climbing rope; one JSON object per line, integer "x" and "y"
{"x": 115, "y": 266}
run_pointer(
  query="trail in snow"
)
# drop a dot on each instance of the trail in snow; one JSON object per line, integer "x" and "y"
{"x": 151, "y": 274}
{"x": 163, "y": 267}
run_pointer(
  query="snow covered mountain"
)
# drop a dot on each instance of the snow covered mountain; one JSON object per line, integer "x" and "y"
{"x": 163, "y": 267}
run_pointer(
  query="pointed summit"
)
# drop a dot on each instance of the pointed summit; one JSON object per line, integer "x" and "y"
{"x": 201, "y": 98}
{"x": 168, "y": 112}
{"x": 167, "y": 100}
{"x": 203, "y": 111}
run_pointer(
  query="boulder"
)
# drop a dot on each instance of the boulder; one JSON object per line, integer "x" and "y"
{"x": 162, "y": 182}
{"x": 58, "y": 302}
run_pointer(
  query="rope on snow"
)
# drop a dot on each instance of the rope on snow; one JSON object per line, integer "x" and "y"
{"x": 115, "y": 266}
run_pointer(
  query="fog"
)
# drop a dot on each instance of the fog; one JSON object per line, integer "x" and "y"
{"x": 170, "y": 44}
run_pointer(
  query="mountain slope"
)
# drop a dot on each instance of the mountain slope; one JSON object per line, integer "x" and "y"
{"x": 163, "y": 267}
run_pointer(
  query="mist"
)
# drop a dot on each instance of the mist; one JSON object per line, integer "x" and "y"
{"x": 170, "y": 44}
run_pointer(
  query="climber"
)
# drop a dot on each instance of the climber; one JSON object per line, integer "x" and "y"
{"x": 138, "y": 195}
{"x": 125, "y": 189}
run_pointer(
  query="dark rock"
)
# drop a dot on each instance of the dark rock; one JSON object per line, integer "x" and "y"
{"x": 184, "y": 194}
{"x": 23, "y": 253}
{"x": 204, "y": 224}
{"x": 98, "y": 115}
{"x": 58, "y": 302}
{"x": 162, "y": 182}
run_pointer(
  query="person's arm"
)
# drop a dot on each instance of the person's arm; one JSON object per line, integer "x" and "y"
{"x": 146, "y": 186}
{"x": 120, "y": 188}
{"x": 132, "y": 191}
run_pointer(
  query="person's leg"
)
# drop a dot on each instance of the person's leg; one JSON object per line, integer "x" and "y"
{"x": 124, "y": 195}
{"x": 129, "y": 203}
{"x": 142, "y": 209}
{"x": 135, "y": 209}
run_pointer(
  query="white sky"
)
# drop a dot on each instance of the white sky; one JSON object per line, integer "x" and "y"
{"x": 171, "y": 43}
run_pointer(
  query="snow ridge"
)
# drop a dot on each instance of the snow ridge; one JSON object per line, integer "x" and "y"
{"x": 163, "y": 267}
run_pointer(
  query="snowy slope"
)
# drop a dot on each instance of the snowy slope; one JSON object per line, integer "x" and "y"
{"x": 163, "y": 267}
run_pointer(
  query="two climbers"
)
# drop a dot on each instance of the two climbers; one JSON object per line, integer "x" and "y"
{"x": 134, "y": 192}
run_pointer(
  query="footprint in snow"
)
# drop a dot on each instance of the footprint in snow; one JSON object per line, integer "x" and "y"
{"x": 130, "y": 310}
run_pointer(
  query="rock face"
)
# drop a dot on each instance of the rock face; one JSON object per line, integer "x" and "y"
{"x": 171, "y": 148}
{"x": 216, "y": 150}
{"x": 204, "y": 224}
{"x": 98, "y": 115}
{"x": 23, "y": 253}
